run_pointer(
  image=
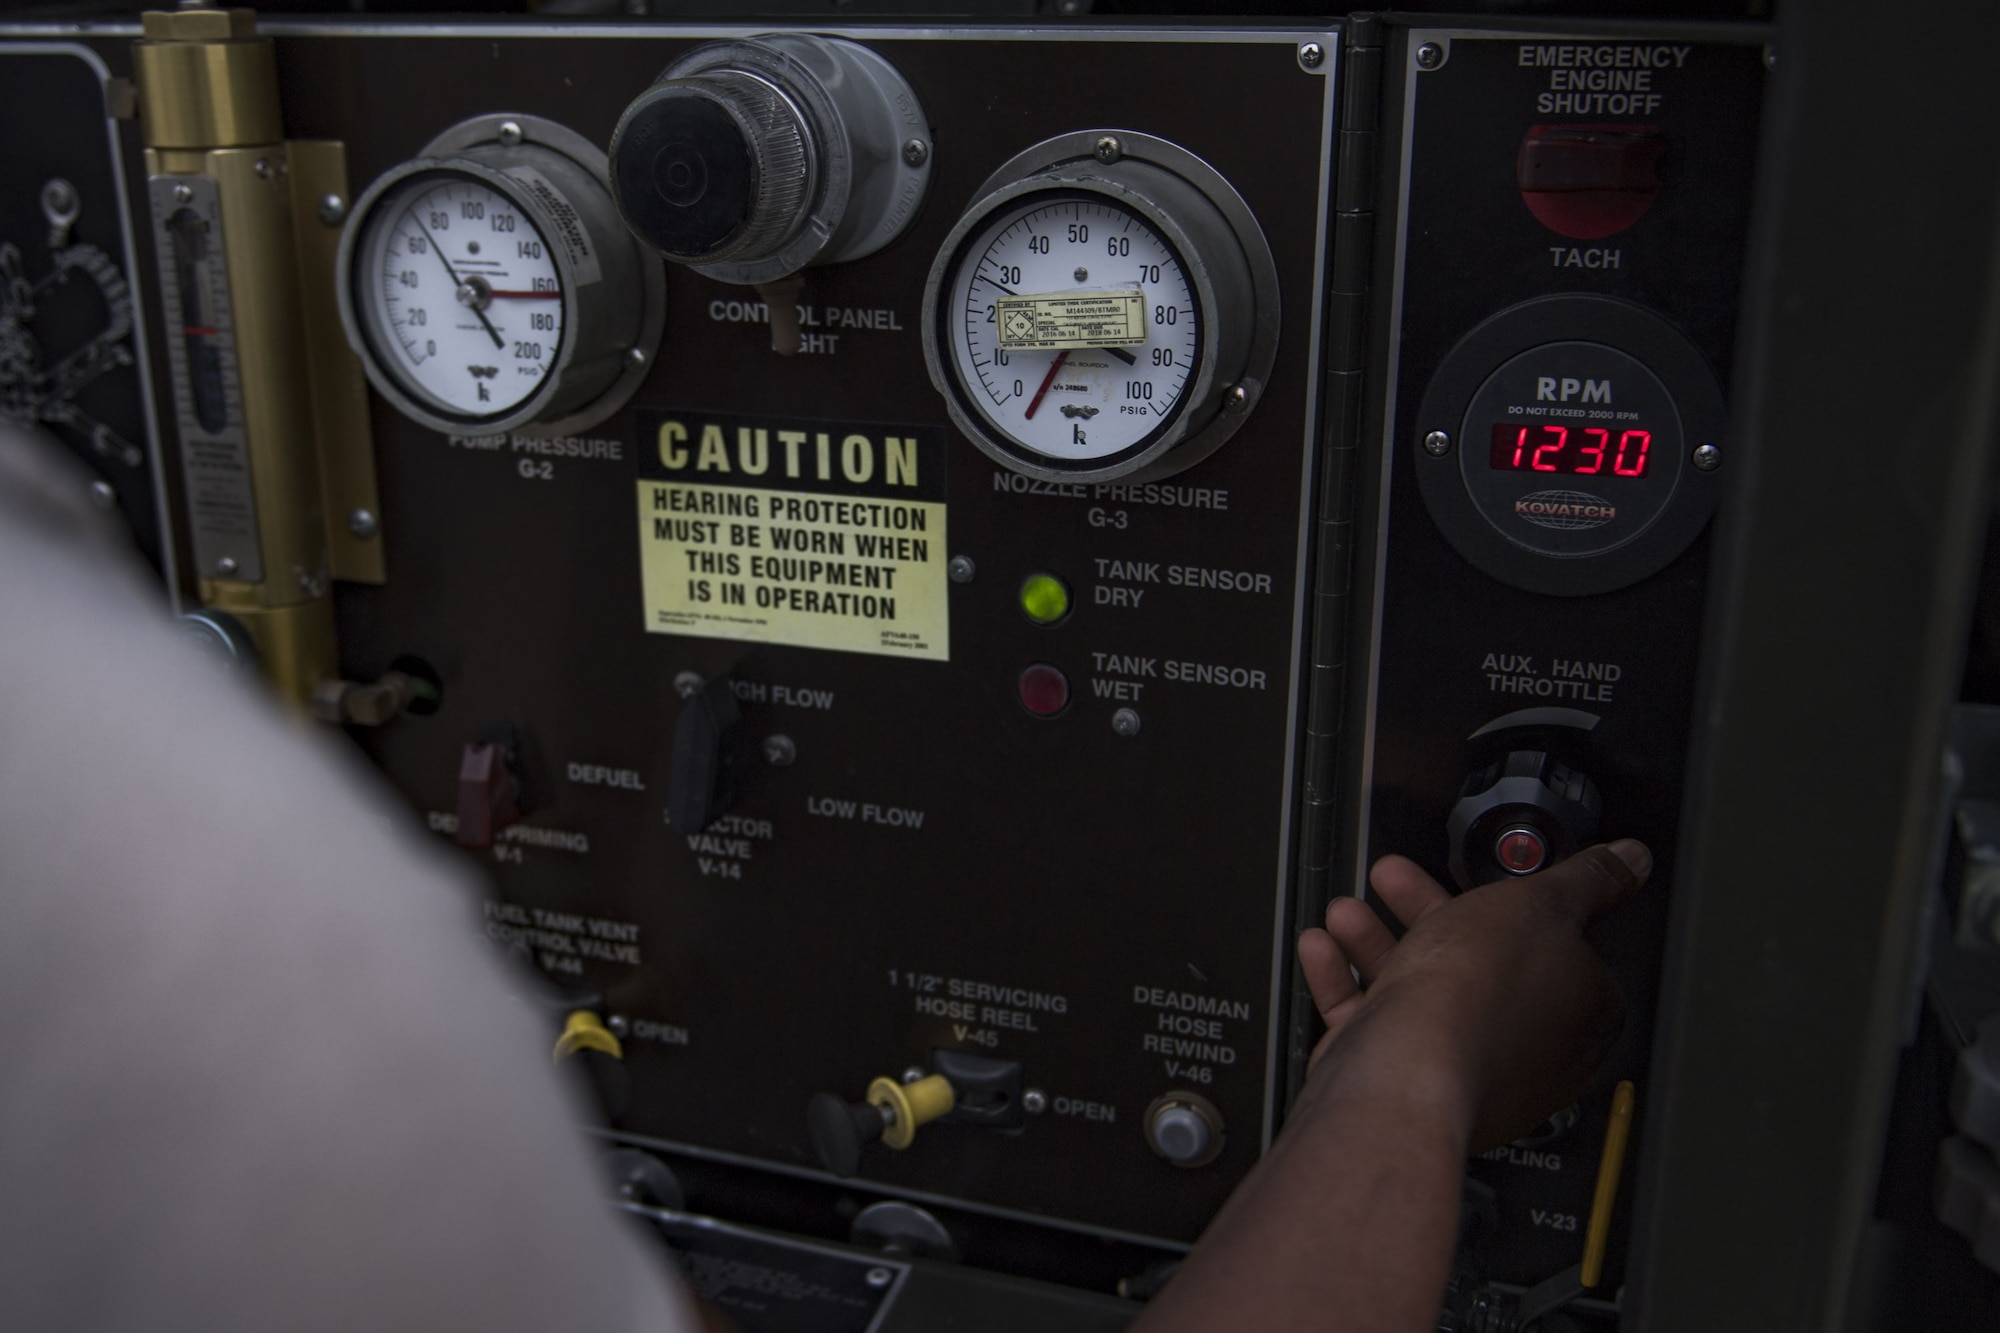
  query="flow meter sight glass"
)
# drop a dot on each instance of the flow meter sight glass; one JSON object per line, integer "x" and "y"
{"x": 488, "y": 284}
{"x": 1107, "y": 308}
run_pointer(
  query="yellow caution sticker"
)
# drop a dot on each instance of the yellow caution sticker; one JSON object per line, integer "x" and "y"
{"x": 1072, "y": 319}
{"x": 811, "y": 533}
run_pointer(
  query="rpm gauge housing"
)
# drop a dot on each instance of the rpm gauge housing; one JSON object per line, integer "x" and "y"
{"x": 1108, "y": 308}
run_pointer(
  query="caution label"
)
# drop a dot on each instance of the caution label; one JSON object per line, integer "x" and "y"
{"x": 813, "y": 533}
{"x": 1072, "y": 319}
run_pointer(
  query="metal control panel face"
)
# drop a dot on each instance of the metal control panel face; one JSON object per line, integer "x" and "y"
{"x": 1552, "y": 443}
{"x": 927, "y": 695}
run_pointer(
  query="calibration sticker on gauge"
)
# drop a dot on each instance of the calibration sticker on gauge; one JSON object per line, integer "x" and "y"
{"x": 1072, "y": 319}
{"x": 818, "y": 534}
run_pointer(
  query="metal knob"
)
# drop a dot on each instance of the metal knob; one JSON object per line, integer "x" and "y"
{"x": 1185, "y": 1128}
{"x": 713, "y": 167}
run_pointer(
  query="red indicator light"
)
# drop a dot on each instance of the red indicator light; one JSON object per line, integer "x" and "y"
{"x": 1591, "y": 181}
{"x": 1044, "y": 690}
{"x": 1520, "y": 850}
{"x": 1578, "y": 451}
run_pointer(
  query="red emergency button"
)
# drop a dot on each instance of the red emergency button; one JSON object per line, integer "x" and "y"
{"x": 1044, "y": 690}
{"x": 1520, "y": 850}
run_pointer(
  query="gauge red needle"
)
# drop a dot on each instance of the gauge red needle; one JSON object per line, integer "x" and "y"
{"x": 526, "y": 296}
{"x": 1047, "y": 380}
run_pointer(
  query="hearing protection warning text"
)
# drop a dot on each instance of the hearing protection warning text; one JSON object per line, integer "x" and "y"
{"x": 812, "y": 533}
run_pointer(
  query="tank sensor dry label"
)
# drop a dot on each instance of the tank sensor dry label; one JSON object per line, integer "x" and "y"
{"x": 1071, "y": 319}
{"x": 813, "y": 533}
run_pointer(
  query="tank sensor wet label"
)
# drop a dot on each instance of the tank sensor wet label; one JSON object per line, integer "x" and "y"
{"x": 1072, "y": 320}
{"x": 812, "y": 533}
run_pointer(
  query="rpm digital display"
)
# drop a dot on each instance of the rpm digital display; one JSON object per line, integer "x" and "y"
{"x": 1576, "y": 451}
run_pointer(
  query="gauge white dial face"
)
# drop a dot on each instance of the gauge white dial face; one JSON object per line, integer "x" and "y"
{"x": 1075, "y": 403}
{"x": 461, "y": 295}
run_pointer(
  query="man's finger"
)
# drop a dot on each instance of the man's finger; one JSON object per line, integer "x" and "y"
{"x": 1360, "y": 934}
{"x": 1589, "y": 883}
{"x": 1406, "y": 888}
{"x": 1326, "y": 972}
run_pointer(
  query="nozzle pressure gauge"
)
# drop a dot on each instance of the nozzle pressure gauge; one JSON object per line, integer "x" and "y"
{"x": 1108, "y": 308}
{"x": 489, "y": 284}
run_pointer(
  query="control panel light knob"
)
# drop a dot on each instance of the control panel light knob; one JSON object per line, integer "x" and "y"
{"x": 749, "y": 160}
{"x": 1185, "y": 1128}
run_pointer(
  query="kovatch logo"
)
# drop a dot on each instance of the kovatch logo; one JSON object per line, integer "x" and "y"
{"x": 1565, "y": 511}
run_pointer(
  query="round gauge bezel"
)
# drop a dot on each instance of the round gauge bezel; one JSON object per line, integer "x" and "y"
{"x": 373, "y": 316}
{"x": 1656, "y": 532}
{"x": 1094, "y": 162}
{"x": 1017, "y": 202}
{"x": 493, "y": 134}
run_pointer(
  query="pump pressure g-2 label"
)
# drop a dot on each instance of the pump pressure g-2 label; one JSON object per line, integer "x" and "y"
{"x": 819, "y": 534}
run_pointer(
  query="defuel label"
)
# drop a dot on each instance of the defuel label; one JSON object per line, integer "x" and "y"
{"x": 819, "y": 534}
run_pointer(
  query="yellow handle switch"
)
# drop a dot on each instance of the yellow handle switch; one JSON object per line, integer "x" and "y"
{"x": 1609, "y": 1167}
{"x": 908, "y": 1107}
{"x": 585, "y": 1031}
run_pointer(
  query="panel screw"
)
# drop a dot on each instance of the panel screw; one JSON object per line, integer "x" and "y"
{"x": 1430, "y": 55}
{"x": 916, "y": 152}
{"x": 1707, "y": 457}
{"x": 618, "y": 1026}
{"x": 637, "y": 356}
{"x": 263, "y": 168}
{"x": 1311, "y": 55}
{"x": 1236, "y": 400}
{"x": 226, "y": 566}
{"x": 779, "y": 751}
{"x": 1125, "y": 722}
{"x": 332, "y": 209}
{"x": 510, "y": 133}
{"x": 913, "y": 1074}
{"x": 102, "y": 495}
{"x": 183, "y": 194}
{"x": 1770, "y": 57}
{"x": 961, "y": 569}
{"x": 1437, "y": 444}
{"x": 1034, "y": 1101}
{"x": 687, "y": 683}
{"x": 1109, "y": 149}
{"x": 362, "y": 524}
{"x": 880, "y": 1277}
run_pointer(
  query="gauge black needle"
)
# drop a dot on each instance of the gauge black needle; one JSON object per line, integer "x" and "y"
{"x": 438, "y": 250}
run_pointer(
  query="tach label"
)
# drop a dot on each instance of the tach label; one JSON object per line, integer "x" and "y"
{"x": 813, "y": 533}
{"x": 1072, "y": 320}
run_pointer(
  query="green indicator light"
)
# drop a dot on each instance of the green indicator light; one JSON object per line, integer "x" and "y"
{"x": 1045, "y": 598}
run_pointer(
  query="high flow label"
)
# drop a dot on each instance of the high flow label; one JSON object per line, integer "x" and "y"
{"x": 818, "y": 534}
{"x": 1071, "y": 320}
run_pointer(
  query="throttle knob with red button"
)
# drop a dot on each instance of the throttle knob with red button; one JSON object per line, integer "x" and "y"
{"x": 1520, "y": 813}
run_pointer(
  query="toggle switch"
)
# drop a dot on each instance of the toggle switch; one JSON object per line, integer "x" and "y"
{"x": 702, "y": 781}
{"x": 893, "y": 1113}
{"x": 489, "y": 787}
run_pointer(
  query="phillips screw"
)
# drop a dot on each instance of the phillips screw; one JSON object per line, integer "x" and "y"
{"x": 1707, "y": 457}
{"x": 1437, "y": 444}
{"x": 1312, "y": 55}
{"x": 1430, "y": 55}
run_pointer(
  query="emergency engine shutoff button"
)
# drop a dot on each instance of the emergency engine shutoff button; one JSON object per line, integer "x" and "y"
{"x": 1044, "y": 690}
{"x": 1520, "y": 850}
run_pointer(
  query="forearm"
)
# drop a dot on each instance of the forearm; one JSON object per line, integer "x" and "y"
{"x": 1348, "y": 1223}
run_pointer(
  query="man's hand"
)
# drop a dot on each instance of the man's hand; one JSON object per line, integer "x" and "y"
{"x": 1492, "y": 996}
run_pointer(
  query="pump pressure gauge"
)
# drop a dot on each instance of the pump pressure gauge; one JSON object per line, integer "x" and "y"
{"x": 488, "y": 285}
{"x": 1108, "y": 308}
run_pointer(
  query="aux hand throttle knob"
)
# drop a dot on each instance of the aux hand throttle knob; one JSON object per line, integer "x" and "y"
{"x": 1524, "y": 811}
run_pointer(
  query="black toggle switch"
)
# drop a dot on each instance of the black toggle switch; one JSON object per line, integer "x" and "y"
{"x": 1524, "y": 811}
{"x": 703, "y": 778}
{"x": 841, "y": 1129}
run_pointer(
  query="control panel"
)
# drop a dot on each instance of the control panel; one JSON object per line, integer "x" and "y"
{"x": 914, "y": 558}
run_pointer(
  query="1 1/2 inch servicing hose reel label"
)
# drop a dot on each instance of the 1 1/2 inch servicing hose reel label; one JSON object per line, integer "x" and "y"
{"x": 818, "y": 534}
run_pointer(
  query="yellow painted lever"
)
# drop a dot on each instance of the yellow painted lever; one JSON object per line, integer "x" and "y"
{"x": 911, "y": 1106}
{"x": 585, "y": 1031}
{"x": 1608, "y": 1169}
